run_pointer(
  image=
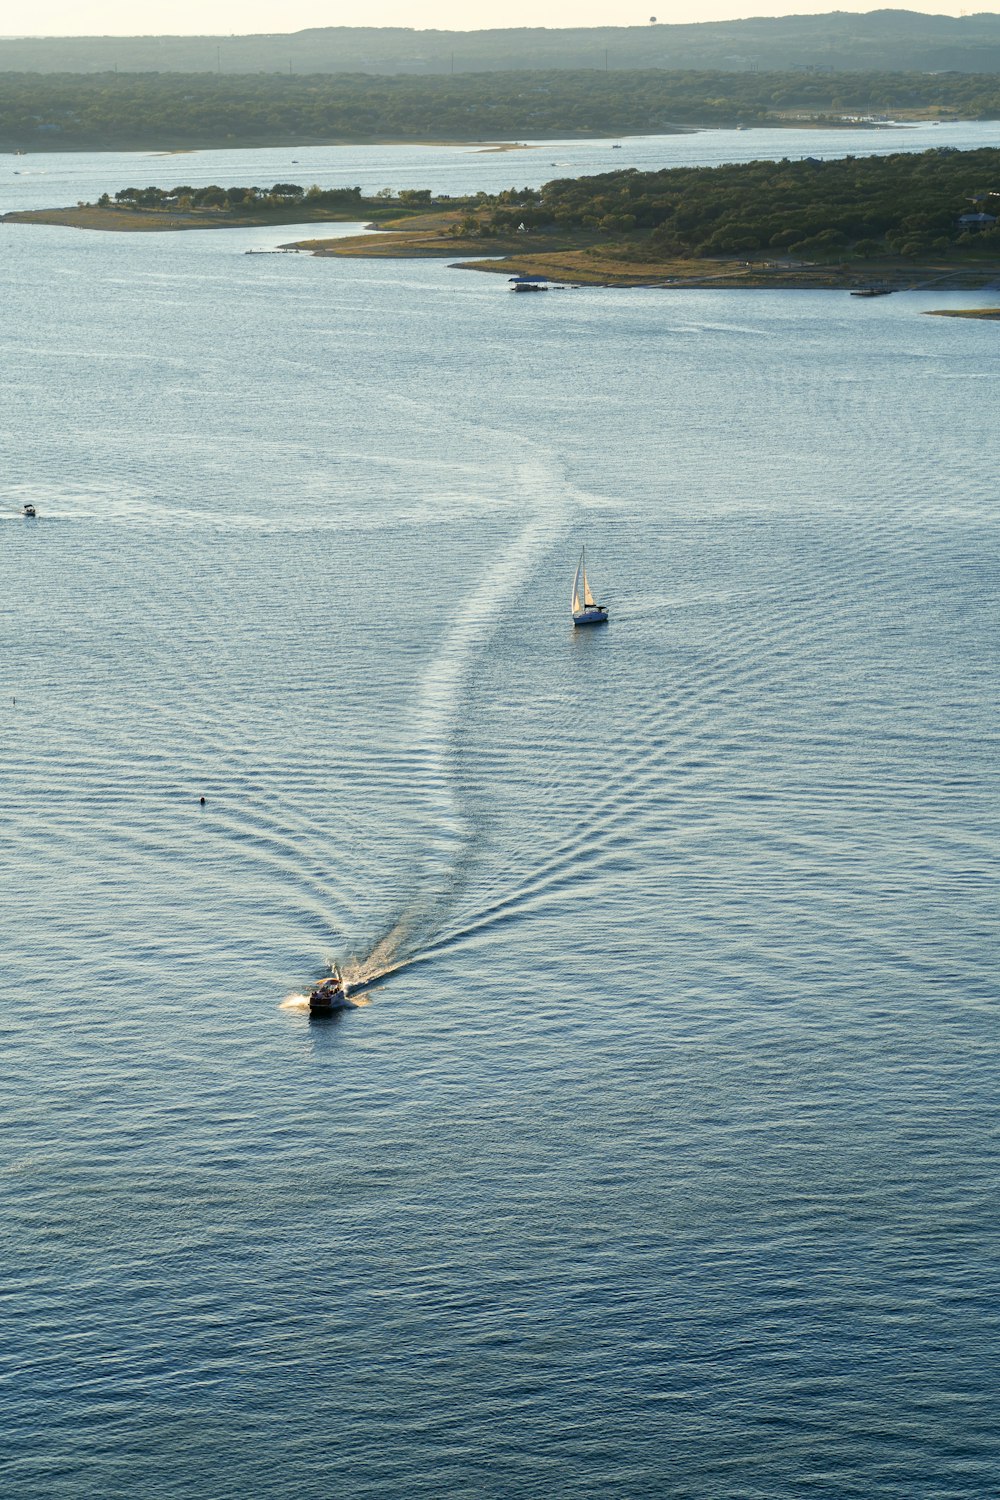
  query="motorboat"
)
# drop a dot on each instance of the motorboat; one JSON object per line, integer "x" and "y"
{"x": 585, "y": 611}
{"x": 329, "y": 995}
{"x": 29, "y": 510}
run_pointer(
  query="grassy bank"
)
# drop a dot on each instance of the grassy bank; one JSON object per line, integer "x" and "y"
{"x": 584, "y": 258}
{"x": 991, "y": 314}
{"x": 145, "y": 220}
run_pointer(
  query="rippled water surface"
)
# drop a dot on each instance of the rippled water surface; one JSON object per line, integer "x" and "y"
{"x": 664, "y": 1160}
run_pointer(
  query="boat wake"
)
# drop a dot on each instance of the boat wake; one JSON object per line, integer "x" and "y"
{"x": 392, "y": 952}
{"x": 449, "y": 827}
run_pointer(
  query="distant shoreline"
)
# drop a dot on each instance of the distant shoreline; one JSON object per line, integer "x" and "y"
{"x": 756, "y": 224}
{"x": 481, "y": 145}
{"x": 988, "y": 314}
{"x": 426, "y": 235}
{"x": 582, "y": 264}
{"x": 20, "y": 147}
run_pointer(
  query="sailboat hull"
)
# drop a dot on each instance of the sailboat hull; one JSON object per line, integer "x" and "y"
{"x": 595, "y": 616}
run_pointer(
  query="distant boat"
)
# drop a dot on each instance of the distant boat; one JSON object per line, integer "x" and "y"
{"x": 585, "y": 611}
{"x": 528, "y": 283}
{"x": 29, "y": 510}
{"x": 872, "y": 291}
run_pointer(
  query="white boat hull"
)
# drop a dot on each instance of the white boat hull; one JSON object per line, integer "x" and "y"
{"x": 328, "y": 997}
{"x": 595, "y": 616}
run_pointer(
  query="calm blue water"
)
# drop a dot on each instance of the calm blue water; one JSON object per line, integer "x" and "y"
{"x": 664, "y": 1162}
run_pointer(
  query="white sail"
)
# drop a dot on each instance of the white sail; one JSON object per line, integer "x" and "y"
{"x": 576, "y": 586}
{"x": 588, "y": 597}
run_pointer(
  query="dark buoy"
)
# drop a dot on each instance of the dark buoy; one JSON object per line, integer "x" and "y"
{"x": 202, "y": 801}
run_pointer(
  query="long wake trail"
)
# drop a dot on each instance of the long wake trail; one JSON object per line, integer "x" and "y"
{"x": 443, "y": 859}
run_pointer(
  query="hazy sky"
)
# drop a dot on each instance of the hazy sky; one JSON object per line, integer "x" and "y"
{"x": 225, "y": 17}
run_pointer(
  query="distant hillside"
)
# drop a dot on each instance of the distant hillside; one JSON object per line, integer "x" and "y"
{"x": 170, "y": 111}
{"x": 882, "y": 40}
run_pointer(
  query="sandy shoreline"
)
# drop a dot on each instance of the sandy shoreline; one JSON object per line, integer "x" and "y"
{"x": 988, "y": 314}
{"x": 590, "y": 265}
{"x": 15, "y": 147}
{"x": 584, "y": 260}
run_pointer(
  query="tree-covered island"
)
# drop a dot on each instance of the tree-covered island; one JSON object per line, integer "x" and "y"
{"x": 900, "y": 219}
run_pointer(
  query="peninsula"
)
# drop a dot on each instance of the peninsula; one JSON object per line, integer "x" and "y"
{"x": 930, "y": 218}
{"x": 134, "y": 210}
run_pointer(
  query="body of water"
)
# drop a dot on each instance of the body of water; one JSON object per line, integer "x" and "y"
{"x": 663, "y": 1161}
{"x": 55, "y": 180}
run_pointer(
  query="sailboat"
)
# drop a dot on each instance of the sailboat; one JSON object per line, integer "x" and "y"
{"x": 585, "y": 611}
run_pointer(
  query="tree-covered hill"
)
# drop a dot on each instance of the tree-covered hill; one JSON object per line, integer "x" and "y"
{"x": 897, "y": 40}
{"x": 166, "y": 111}
{"x": 911, "y": 204}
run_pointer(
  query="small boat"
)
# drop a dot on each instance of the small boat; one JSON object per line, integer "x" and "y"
{"x": 329, "y": 995}
{"x": 872, "y": 291}
{"x": 527, "y": 284}
{"x": 29, "y": 510}
{"x": 585, "y": 611}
